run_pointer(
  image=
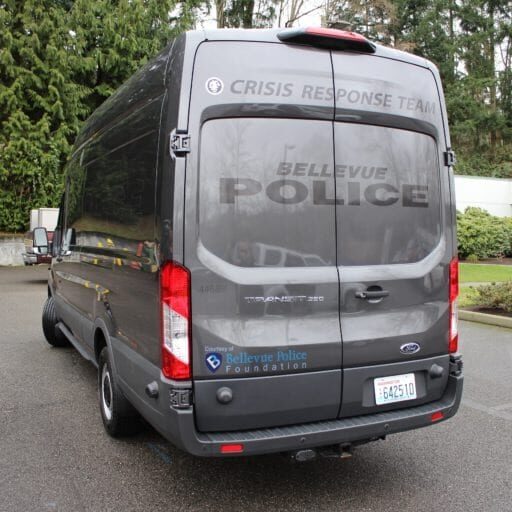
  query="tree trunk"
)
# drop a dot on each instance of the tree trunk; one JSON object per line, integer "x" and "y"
{"x": 219, "y": 7}
{"x": 247, "y": 14}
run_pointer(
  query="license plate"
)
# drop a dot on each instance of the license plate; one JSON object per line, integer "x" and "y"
{"x": 396, "y": 388}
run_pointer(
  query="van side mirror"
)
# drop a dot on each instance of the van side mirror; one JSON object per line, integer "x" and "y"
{"x": 41, "y": 240}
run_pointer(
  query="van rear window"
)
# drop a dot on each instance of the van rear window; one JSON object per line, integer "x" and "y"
{"x": 261, "y": 193}
{"x": 387, "y": 181}
{"x": 273, "y": 193}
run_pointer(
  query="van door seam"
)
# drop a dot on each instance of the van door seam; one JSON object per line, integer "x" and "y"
{"x": 336, "y": 233}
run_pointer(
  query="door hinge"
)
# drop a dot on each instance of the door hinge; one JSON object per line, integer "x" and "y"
{"x": 179, "y": 144}
{"x": 449, "y": 158}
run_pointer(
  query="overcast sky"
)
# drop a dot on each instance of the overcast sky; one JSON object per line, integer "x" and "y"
{"x": 312, "y": 19}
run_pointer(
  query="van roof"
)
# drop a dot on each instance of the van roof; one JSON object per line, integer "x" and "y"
{"x": 270, "y": 36}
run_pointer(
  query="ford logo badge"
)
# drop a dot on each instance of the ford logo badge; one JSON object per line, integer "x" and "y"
{"x": 410, "y": 348}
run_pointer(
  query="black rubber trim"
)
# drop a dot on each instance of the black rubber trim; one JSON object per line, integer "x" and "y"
{"x": 324, "y": 433}
{"x": 346, "y": 115}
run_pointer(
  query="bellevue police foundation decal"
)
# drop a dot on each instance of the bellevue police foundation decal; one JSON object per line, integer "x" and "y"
{"x": 284, "y": 360}
{"x": 214, "y": 85}
{"x": 213, "y": 361}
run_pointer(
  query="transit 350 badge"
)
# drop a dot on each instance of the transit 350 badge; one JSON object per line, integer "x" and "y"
{"x": 214, "y": 85}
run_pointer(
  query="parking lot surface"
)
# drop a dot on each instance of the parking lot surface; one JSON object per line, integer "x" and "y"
{"x": 55, "y": 454}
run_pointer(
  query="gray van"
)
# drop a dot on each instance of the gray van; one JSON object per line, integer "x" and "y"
{"x": 257, "y": 249}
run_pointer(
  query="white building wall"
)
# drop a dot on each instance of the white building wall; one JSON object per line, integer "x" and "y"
{"x": 491, "y": 194}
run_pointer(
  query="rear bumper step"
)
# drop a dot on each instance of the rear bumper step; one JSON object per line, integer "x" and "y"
{"x": 323, "y": 433}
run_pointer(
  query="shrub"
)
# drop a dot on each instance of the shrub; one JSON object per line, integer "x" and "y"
{"x": 496, "y": 296}
{"x": 483, "y": 235}
{"x": 472, "y": 258}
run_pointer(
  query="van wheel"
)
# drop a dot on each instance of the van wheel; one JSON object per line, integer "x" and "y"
{"x": 53, "y": 335}
{"x": 118, "y": 415}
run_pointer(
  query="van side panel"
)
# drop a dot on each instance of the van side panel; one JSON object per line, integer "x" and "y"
{"x": 112, "y": 220}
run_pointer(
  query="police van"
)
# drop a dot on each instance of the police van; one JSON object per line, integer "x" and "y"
{"x": 256, "y": 246}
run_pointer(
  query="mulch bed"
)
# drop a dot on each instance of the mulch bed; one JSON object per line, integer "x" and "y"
{"x": 489, "y": 311}
{"x": 495, "y": 261}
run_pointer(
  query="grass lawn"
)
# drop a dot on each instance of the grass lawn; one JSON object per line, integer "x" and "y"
{"x": 475, "y": 273}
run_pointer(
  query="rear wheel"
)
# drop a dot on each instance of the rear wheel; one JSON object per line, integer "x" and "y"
{"x": 53, "y": 335}
{"x": 118, "y": 415}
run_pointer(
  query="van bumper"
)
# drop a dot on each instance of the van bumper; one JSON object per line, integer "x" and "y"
{"x": 324, "y": 433}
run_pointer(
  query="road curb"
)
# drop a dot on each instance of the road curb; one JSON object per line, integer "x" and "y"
{"x": 484, "y": 318}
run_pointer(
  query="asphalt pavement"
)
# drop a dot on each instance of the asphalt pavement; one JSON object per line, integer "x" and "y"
{"x": 56, "y": 456}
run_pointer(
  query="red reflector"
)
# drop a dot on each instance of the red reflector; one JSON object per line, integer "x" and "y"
{"x": 327, "y": 38}
{"x": 453, "y": 346}
{"x": 232, "y": 448}
{"x": 437, "y": 416}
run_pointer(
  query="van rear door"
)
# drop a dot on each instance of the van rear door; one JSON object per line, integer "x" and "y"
{"x": 393, "y": 233}
{"x": 260, "y": 237}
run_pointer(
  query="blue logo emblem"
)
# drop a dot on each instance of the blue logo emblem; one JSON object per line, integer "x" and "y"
{"x": 213, "y": 361}
{"x": 410, "y": 348}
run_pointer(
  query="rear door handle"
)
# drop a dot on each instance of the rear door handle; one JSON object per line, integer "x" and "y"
{"x": 372, "y": 295}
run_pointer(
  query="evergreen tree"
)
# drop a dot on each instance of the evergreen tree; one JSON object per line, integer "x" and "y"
{"x": 245, "y": 13}
{"x": 112, "y": 39}
{"x": 39, "y": 107}
{"x": 59, "y": 60}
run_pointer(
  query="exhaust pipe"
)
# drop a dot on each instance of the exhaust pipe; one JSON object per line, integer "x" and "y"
{"x": 337, "y": 451}
{"x": 304, "y": 455}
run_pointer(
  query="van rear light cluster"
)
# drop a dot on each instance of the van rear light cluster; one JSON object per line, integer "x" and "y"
{"x": 453, "y": 343}
{"x": 175, "y": 311}
{"x": 327, "y": 38}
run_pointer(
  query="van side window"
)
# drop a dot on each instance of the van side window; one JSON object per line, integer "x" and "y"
{"x": 57, "y": 235}
{"x": 74, "y": 200}
{"x": 119, "y": 193}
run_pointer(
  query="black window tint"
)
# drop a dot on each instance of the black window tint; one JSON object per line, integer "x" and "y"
{"x": 120, "y": 195}
{"x": 294, "y": 260}
{"x": 261, "y": 194}
{"x": 272, "y": 257}
{"x": 387, "y": 184}
{"x": 75, "y": 192}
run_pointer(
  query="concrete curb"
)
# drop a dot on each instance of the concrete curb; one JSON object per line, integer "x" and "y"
{"x": 484, "y": 318}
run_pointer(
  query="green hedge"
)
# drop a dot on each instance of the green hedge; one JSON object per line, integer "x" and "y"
{"x": 482, "y": 235}
{"x": 496, "y": 296}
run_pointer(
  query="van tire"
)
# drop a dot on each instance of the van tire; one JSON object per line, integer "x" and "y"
{"x": 118, "y": 415}
{"x": 53, "y": 335}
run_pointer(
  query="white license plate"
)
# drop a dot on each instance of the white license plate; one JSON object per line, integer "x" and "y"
{"x": 396, "y": 388}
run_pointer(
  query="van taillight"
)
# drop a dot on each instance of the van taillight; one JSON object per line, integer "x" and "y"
{"x": 454, "y": 313}
{"x": 327, "y": 38}
{"x": 175, "y": 304}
